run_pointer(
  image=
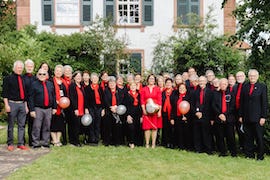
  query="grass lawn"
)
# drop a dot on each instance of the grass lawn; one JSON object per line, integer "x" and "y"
{"x": 140, "y": 163}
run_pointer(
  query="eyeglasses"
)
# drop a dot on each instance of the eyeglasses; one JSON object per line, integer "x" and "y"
{"x": 42, "y": 74}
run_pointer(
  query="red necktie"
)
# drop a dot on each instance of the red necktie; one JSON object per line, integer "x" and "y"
{"x": 114, "y": 99}
{"x": 224, "y": 106}
{"x": 251, "y": 89}
{"x": 21, "y": 87}
{"x": 201, "y": 96}
{"x": 46, "y": 95}
{"x": 231, "y": 88}
{"x": 237, "y": 100}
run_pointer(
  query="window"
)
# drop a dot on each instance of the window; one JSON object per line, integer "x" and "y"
{"x": 185, "y": 8}
{"x": 129, "y": 12}
{"x": 66, "y": 12}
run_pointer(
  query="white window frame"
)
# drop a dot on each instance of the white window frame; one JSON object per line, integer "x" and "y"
{"x": 70, "y": 15}
{"x": 128, "y": 3}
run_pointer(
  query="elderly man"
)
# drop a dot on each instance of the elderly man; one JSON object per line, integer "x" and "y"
{"x": 201, "y": 128}
{"x": 253, "y": 113}
{"x": 223, "y": 106}
{"x": 240, "y": 79}
{"x": 42, "y": 105}
{"x": 15, "y": 105}
{"x": 29, "y": 78}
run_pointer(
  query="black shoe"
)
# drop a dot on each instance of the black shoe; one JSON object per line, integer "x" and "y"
{"x": 260, "y": 158}
{"x": 36, "y": 147}
{"x": 46, "y": 146}
{"x": 222, "y": 155}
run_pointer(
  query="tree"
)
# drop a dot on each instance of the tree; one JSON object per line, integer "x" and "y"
{"x": 254, "y": 27}
{"x": 200, "y": 48}
{"x": 7, "y": 16}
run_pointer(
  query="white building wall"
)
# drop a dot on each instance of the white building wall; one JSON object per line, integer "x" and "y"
{"x": 137, "y": 39}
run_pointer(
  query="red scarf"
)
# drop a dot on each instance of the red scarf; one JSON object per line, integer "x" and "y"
{"x": 223, "y": 104}
{"x": 97, "y": 97}
{"x": 167, "y": 105}
{"x": 80, "y": 101}
{"x": 237, "y": 100}
{"x": 57, "y": 95}
{"x": 181, "y": 96}
{"x": 103, "y": 85}
{"x": 66, "y": 81}
{"x": 231, "y": 88}
{"x": 135, "y": 97}
{"x": 114, "y": 101}
{"x": 21, "y": 87}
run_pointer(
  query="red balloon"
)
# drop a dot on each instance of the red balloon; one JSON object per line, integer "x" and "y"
{"x": 64, "y": 102}
{"x": 184, "y": 107}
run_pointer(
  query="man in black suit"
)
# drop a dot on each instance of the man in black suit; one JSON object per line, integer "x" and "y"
{"x": 237, "y": 88}
{"x": 201, "y": 128}
{"x": 224, "y": 107}
{"x": 253, "y": 113}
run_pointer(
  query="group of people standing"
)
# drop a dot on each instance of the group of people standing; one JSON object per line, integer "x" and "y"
{"x": 218, "y": 109}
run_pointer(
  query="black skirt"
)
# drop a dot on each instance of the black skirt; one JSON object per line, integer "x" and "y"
{"x": 57, "y": 124}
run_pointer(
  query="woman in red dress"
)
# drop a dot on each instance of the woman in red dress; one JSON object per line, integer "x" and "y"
{"x": 150, "y": 121}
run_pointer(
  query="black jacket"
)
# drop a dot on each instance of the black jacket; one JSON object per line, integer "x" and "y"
{"x": 254, "y": 106}
{"x": 74, "y": 97}
{"x": 36, "y": 98}
{"x": 230, "y": 106}
{"x": 133, "y": 111}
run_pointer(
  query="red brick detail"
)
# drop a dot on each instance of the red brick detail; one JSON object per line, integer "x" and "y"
{"x": 229, "y": 20}
{"x": 23, "y": 13}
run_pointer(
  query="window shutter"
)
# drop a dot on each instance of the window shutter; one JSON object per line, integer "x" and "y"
{"x": 182, "y": 11}
{"x": 148, "y": 12}
{"x": 109, "y": 10}
{"x": 47, "y": 12}
{"x": 86, "y": 15}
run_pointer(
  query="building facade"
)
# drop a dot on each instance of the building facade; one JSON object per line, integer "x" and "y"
{"x": 141, "y": 22}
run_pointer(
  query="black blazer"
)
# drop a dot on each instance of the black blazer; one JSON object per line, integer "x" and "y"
{"x": 230, "y": 104}
{"x": 133, "y": 111}
{"x": 206, "y": 107}
{"x": 174, "y": 99}
{"x": 90, "y": 96}
{"x": 108, "y": 98}
{"x": 254, "y": 106}
{"x": 74, "y": 96}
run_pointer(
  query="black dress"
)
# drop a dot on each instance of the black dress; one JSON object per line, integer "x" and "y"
{"x": 57, "y": 124}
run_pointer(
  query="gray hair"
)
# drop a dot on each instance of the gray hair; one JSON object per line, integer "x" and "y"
{"x": 16, "y": 63}
{"x": 94, "y": 74}
{"x": 209, "y": 71}
{"x": 253, "y": 70}
{"x": 59, "y": 66}
{"x": 29, "y": 61}
{"x": 112, "y": 79}
{"x": 68, "y": 67}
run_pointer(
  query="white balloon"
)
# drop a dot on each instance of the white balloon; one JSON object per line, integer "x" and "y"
{"x": 121, "y": 109}
{"x": 86, "y": 119}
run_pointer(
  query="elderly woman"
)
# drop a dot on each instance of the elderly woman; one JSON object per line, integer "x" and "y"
{"x": 79, "y": 106}
{"x": 134, "y": 113}
{"x": 150, "y": 121}
{"x": 57, "y": 124}
{"x": 182, "y": 123}
{"x": 112, "y": 122}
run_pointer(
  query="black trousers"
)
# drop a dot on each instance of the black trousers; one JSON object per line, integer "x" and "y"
{"x": 241, "y": 135}
{"x": 183, "y": 134}
{"x": 201, "y": 136}
{"x": 68, "y": 119}
{"x": 113, "y": 131}
{"x": 74, "y": 130}
{"x": 134, "y": 132}
{"x": 254, "y": 131}
{"x": 29, "y": 121}
{"x": 167, "y": 131}
{"x": 95, "y": 126}
{"x": 226, "y": 131}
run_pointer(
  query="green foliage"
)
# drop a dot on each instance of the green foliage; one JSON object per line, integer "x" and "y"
{"x": 7, "y": 16}
{"x": 198, "y": 47}
{"x": 254, "y": 22}
{"x": 83, "y": 51}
